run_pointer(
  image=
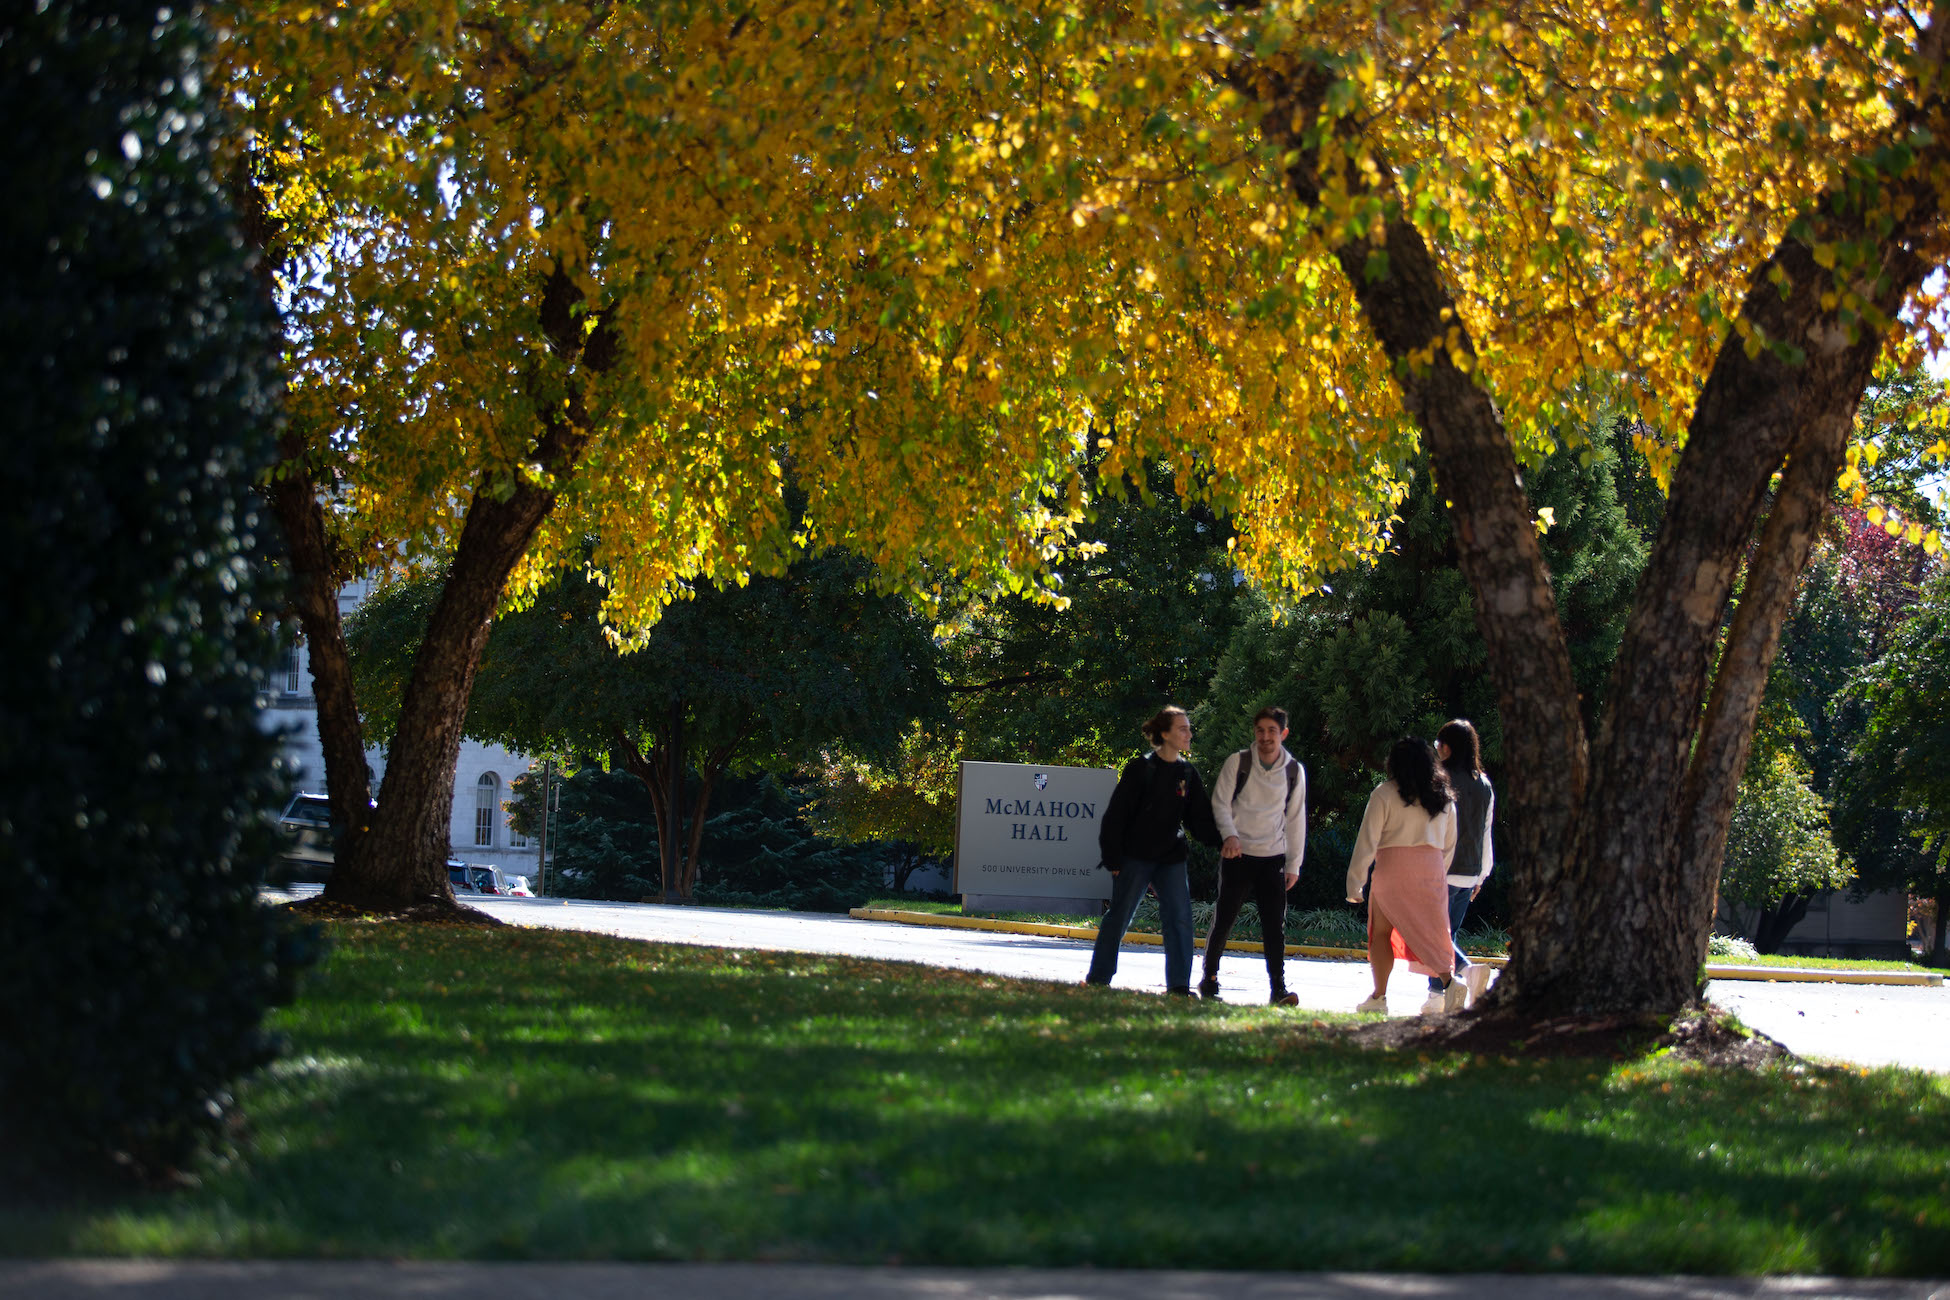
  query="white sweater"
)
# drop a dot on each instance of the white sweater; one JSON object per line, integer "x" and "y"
{"x": 1390, "y": 823}
{"x": 1267, "y": 823}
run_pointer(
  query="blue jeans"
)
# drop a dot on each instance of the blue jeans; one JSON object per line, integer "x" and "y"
{"x": 1174, "y": 909}
{"x": 1458, "y": 908}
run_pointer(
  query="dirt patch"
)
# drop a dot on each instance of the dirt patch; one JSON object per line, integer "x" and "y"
{"x": 1707, "y": 1036}
{"x": 429, "y": 911}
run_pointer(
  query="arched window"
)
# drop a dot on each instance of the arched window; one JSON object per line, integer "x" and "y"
{"x": 487, "y": 809}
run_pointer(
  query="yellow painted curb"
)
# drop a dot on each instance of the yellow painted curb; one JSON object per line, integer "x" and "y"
{"x": 1764, "y": 974}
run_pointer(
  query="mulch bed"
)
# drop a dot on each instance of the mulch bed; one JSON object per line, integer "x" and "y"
{"x": 1703, "y": 1036}
{"x": 428, "y": 911}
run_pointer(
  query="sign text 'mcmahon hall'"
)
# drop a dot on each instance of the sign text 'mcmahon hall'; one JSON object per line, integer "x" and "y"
{"x": 1071, "y": 810}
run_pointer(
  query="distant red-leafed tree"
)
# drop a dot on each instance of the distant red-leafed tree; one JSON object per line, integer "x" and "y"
{"x": 1879, "y": 573}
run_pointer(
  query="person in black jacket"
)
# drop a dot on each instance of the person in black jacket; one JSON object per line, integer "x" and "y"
{"x": 1142, "y": 837}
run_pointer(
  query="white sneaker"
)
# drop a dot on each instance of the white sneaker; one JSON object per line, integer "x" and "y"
{"x": 1456, "y": 997}
{"x": 1478, "y": 976}
{"x": 1433, "y": 1007}
{"x": 1371, "y": 1006}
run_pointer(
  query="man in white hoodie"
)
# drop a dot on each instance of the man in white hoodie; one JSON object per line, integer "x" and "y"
{"x": 1259, "y": 800}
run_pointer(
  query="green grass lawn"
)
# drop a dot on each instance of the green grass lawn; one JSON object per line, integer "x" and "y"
{"x": 539, "y": 1094}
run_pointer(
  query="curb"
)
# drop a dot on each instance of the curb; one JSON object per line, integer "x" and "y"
{"x": 1757, "y": 974}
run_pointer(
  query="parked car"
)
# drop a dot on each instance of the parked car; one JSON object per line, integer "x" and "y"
{"x": 518, "y": 887}
{"x": 308, "y": 855}
{"x": 472, "y": 878}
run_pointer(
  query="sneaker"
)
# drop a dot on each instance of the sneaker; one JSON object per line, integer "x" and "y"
{"x": 1282, "y": 998}
{"x": 1478, "y": 976}
{"x": 1208, "y": 987}
{"x": 1435, "y": 1006}
{"x": 1455, "y": 997}
{"x": 1368, "y": 1006}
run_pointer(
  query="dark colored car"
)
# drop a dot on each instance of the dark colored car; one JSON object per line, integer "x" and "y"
{"x": 308, "y": 854}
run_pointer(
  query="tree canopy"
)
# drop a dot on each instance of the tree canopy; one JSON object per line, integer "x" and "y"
{"x": 561, "y": 271}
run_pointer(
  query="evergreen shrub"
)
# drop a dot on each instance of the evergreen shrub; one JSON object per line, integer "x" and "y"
{"x": 138, "y": 792}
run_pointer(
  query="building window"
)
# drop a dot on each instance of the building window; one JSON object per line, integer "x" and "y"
{"x": 293, "y": 683}
{"x": 487, "y": 808}
{"x": 516, "y": 840}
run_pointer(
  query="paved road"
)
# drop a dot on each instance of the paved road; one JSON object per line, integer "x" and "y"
{"x": 1866, "y": 1024}
{"x": 345, "y": 1280}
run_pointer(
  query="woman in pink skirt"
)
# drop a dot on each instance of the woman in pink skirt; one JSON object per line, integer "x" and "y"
{"x": 1400, "y": 864}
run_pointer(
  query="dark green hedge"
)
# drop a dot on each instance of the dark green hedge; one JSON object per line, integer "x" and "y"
{"x": 138, "y": 794}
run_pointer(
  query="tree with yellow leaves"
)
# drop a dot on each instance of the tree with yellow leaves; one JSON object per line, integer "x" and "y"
{"x": 563, "y": 271}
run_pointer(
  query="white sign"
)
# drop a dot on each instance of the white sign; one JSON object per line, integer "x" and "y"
{"x": 1028, "y": 830}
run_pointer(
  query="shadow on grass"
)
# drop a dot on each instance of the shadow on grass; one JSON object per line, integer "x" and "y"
{"x": 558, "y": 1095}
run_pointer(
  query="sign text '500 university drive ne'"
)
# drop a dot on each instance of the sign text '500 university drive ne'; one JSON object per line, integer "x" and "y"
{"x": 1029, "y": 830}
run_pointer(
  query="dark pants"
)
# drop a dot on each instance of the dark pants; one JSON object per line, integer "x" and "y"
{"x": 1174, "y": 912}
{"x": 1265, "y": 879}
{"x": 1458, "y": 908}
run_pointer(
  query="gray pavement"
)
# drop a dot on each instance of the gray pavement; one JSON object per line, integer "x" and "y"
{"x": 341, "y": 1280}
{"x": 1864, "y": 1024}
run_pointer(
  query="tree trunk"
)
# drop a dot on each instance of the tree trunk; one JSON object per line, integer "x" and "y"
{"x": 648, "y": 766}
{"x": 400, "y": 861}
{"x": 1777, "y": 919}
{"x": 694, "y": 845}
{"x": 1617, "y": 862}
{"x": 661, "y": 771}
{"x": 714, "y": 766}
{"x": 314, "y": 594}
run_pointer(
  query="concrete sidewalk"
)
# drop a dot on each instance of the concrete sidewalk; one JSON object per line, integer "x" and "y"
{"x": 376, "y": 1280}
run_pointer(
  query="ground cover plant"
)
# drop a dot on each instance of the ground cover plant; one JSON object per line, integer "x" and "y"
{"x": 496, "y": 1093}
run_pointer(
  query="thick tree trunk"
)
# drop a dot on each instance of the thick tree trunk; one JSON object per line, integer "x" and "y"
{"x": 1615, "y": 874}
{"x": 400, "y": 860}
{"x": 1940, "y": 950}
{"x": 1777, "y": 920}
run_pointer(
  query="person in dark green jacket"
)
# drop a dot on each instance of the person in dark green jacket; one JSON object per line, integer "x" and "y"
{"x": 1159, "y": 796}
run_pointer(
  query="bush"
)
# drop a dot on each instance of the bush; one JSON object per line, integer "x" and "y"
{"x": 1730, "y": 948}
{"x": 138, "y": 795}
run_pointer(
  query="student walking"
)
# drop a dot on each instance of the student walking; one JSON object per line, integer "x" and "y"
{"x": 1259, "y": 803}
{"x": 1400, "y": 858}
{"x": 1159, "y": 796}
{"x": 1460, "y": 753}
